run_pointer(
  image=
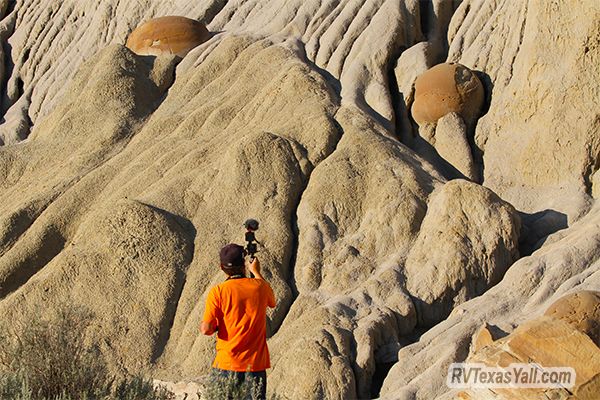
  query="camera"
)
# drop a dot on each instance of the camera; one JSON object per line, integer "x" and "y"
{"x": 251, "y": 242}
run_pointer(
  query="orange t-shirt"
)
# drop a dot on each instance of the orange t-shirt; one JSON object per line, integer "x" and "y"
{"x": 239, "y": 308}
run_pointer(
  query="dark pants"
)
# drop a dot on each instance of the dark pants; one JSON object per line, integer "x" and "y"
{"x": 254, "y": 384}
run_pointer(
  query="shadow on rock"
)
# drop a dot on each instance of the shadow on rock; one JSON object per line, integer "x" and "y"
{"x": 537, "y": 227}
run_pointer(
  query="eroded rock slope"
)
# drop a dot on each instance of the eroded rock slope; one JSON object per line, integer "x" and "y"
{"x": 121, "y": 176}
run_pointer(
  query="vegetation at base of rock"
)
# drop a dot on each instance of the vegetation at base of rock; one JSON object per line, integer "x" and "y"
{"x": 49, "y": 359}
{"x": 227, "y": 387}
{"x": 122, "y": 175}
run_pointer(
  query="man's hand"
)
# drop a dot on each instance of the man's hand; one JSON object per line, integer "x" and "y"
{"x": 207, "y": 328}
{"x": 254, "y": 267}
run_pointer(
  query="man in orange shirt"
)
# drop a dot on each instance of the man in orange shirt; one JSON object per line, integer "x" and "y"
{"x": 237, "y": 310}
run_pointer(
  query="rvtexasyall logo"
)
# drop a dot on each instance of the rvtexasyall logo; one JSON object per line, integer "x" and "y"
{"x": 516, "y": 375}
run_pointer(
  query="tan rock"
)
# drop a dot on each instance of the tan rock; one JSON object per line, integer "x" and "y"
{"x": 356, "y": 48}
{"x": 167, "y": 35}
{"x": 134, "y": 246}
{"x": 533, "y": 156}
{"x": 232, "y": 139}
{"x": 547, "y": 342}
{"x": 353, "y": 41}
{"x": 483, "y": 337}
{"x": 555, "y": 343}
{"x": 28, "y": 246}
{"x": 595, "y": 181}
{"x": 446, "y": 88}
{"x": 568, "y": 263}
{"x": 203, "y": 163}
{"x": 463, "y": 396}
{"x": 581, "y": 310}
{"x": 467, "y": 241}
{"x": 17, "y": 125}
{"x": 351, "y": 245}
{"x": 451, "y": 143}
{"x": 420, "y": 57}
{"x": 588, "y": 390}
{"x": 411, "y": 64}
{"x": 345, "y": 244}
{"x": 183, "y": 390}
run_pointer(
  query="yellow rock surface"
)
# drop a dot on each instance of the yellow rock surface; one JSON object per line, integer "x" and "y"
{"x": 550, "y": 343}
{"x": 581, "y": 310}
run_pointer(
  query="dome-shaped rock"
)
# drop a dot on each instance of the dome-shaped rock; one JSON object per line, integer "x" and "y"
{"x": 581, "y": 310}
{"x": 447, "y": 88}
{"x": 467, "y": 241}
{"x": 167, "y": 35}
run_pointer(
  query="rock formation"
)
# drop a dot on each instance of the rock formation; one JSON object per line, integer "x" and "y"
{"x": 467, "y": 241}
{"x": 183, "y": 390}
{"x": 548, "y": 342}
{"x": 121, "y": 176}
{"x": 167, "y": 35}
{"x": 451, "y": 141}
{"x": 567, "y": 262}
{"x": 347, "y": 269}
{"x": 446, "y": 88}
{"x": 532, "y": 153}
{"x": 445, "y": 102}
{"x": 581, "y": 310}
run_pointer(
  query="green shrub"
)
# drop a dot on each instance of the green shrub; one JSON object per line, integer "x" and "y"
{"x": 227, "y": 387}
{"x": 12, "y": 387}
{"x": 48, "y": 359}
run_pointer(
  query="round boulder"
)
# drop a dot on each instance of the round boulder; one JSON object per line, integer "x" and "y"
{"x": 581, "y": 310}
{"x": 167, "y": 35}
{"x": 446, "y": 88}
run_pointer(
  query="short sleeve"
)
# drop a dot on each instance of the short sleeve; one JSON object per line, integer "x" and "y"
{"x": 270, "y": 296}
{"x": 213, "y": 306}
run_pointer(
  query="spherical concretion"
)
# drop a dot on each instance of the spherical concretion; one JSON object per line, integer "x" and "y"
{"x": 445, "y": 88}
{"x": 167, "y": 35}
{"x": 581, "y": 310}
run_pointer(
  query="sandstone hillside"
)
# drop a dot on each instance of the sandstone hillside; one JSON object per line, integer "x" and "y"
{"x": 404, "y": 209}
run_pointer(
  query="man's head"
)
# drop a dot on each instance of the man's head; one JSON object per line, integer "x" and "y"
{"x": 232, "y": 259}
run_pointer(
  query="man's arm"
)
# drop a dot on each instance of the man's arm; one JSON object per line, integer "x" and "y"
{"x": 254, "y": 267}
